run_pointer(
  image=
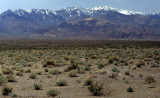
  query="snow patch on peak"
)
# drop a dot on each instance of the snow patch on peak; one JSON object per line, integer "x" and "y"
{"x": 125, "y": 12}
{"x": 103, "y": 8}
{"x": 21, "y": 12}
{"x": 29, "y": 11}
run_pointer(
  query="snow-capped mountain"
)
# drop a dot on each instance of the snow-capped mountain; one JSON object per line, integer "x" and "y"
{"x": 40, "y": 15}
{"x": 20, "y": 21}
{"x": 70, "y": 12}
{"x": 125, "y": 12}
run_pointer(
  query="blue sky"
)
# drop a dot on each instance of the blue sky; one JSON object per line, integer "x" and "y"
{"x": 146, "y": 6}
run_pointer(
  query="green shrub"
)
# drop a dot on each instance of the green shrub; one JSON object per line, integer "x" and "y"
{"x": 140, "y": 75}
{"x": 13, "y": 95}
{"x": 141, "y": 63}
{"x": 7, "y": 70}
{"x": 72, "y": 73}
{"x": 10, "y": 78}
{"x": 19, "y": 73}
{"x": 53, "y": 92}
{"x": 6, "y": 91}
{"x": 48, "y": 76}
{"x": 39, "y": 73}
{"x": 114, "y": 69}
{"x": 154, "y": 65}
{"x": 100, "y": 66}
{"x": 116, "y": 63}
{"x": 45, "y": 70}
{"x": 88, "y": 82}
{"x": 71, "y": 67}
{"x": 88, "y": 79}
{"x": 28, "y": 70}
{"x": 129, "y": 89}
{"x": 3, "y": 80}
{"x": 20, "y": 69}
{"x": 113, "y": 75}
{"x": 113, "y": 58}
{"x": 48, "y": 62}
{"x": 126, "y": 81}
{"x": 87, "y": 67}
{"x": 37, "y": 86}
{"x": 96, "y": 89}
{"x": 54, "y": 71}
{"x": 102, "y": 72}
{"x": 32, "y": 75}
{"x": 127, "y": 73}
{"x": 62, "y": 83}
{"x": 149, "y": 79}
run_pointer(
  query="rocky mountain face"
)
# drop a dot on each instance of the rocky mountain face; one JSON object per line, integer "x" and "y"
{"x": 99, "y": 22}
{"x": 101, "y": 28}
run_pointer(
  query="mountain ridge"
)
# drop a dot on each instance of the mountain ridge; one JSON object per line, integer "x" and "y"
{"x": 21, "y": 22}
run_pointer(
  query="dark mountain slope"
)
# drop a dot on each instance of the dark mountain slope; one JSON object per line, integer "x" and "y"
{"x": 101, "y": 28}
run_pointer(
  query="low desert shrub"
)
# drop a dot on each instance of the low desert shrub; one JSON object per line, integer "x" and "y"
{"x": 3, "y": 80}
{"x": 100, "y": 65}
{"x": 149, "y": 79}
{"x": 6, "y": 91}
{"x": 71, "y": 67}
{"x": 13, "y": 95}
{"x": 113, "y": 58}
{"x": 62, "y": 83}
{"x": 72, "y": 73}
{"x": 39, "y": 72}
{"x": 54, "y": 71}
{"x": 113, "y": 75}
{"x": 53, "y": 92}
{"x": 103, "y": 72}
{"x": 89, "y": 80}
{"x": 140, "y": 64}
{"x": 140, "y": 75}
{"x": 10, "y": 78}
{"x": 7, "y": 70}
{"x": 19, "y": 73}
{"x": 28, "y": 70}
{"x": 48, "y": 62}
{"x": 114, "y": 69}
{"x": 127, "y": 73}
{"x": 32, "y": 75}
{"x": 116, "y": 63}
{"x": 37, "y": 86}
{"x": 129, "y": 89}
{"x": 96, "y": 88}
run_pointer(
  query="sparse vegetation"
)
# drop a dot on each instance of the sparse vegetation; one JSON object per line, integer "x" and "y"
{"x": 53, "y": 92}
{"x": 149, "y": 79}
{"x": 7, "y": 70}
{"x": 29, "y": 64}
{"x": 72, "y": 67}
{"x": 10, "y": 78}
{"x": 62, "y": 83}
{"x": 37, "y": 86}
{"x": 114, "y": 69}
{"x": 48, "y": 62}
{"x": 54, "y": 71}
{"x": 3, "y": 80}
{"x": 6, "y": 91}
{"x": 13, "y": 95}
{"x": 96, "y": 89}
{"x": 113, "y": 75}
{"x": 72, "y": 73}
{"x": 129, "y": 89}
{"x": 32, "y": 75}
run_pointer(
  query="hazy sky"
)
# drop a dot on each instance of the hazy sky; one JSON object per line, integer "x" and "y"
{"x": 146, "y": 6}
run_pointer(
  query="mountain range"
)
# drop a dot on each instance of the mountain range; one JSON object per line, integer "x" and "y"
{"x": 97, "y": 22}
